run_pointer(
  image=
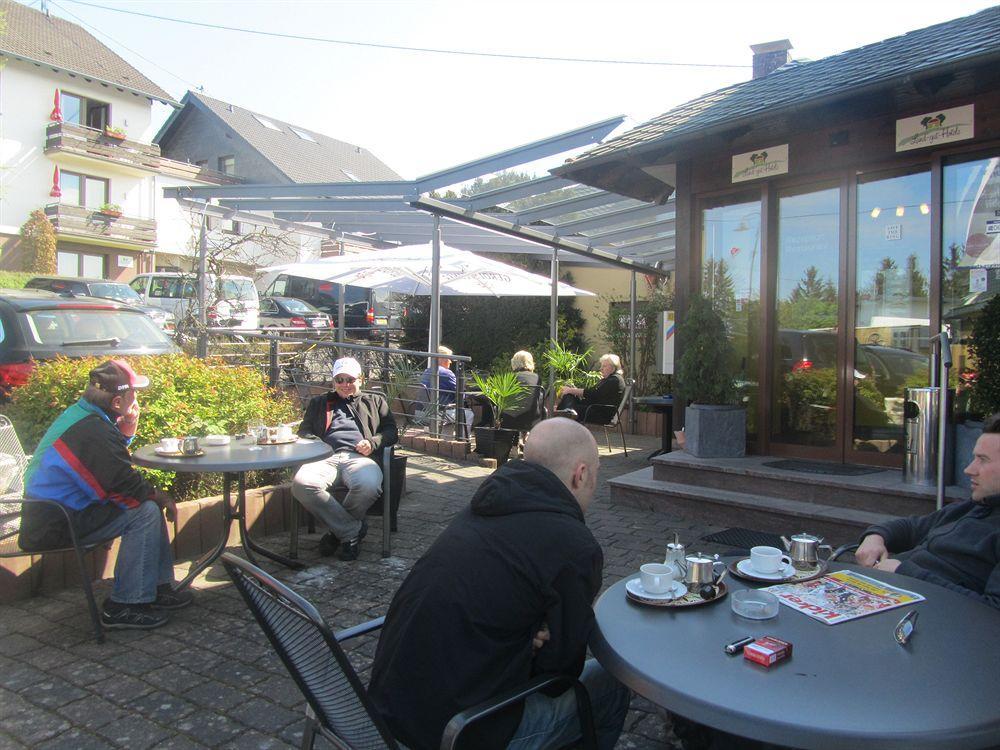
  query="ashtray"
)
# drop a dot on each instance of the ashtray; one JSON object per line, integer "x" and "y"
{"x": 755, "y": 604}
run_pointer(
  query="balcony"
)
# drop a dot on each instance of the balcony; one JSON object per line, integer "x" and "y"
{"x": 93, "y": 227}
{"x": 70, "y": 139}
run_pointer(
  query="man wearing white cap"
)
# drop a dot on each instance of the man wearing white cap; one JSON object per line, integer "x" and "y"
{"x": 355, "y": 425}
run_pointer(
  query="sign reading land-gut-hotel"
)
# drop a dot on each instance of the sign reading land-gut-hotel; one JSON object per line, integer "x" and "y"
{"x": 933, "y": 128}
{"x": 764, "y": 162}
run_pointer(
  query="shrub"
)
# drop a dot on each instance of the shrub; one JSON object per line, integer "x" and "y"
{"x": 39, "y": 241}
{"x": 705, "y": 370}
{"x": 15, "y": 279}
{"x": 186, "y": 396}
{"x": 984, "y": 345}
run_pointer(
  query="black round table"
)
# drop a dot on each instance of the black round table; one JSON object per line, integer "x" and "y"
{"x": 664, "y": 405}
{"x": 234, "y": 460}
{"x": 848, "y": 685}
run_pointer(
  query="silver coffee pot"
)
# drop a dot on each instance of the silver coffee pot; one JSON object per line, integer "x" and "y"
{"x": 804, "y": 550}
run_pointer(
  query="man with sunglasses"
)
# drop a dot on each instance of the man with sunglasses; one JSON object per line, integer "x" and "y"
{"x": 355, "y": 425}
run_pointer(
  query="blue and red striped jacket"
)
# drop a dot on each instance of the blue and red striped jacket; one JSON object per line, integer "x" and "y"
{"x": 83, "y": 459}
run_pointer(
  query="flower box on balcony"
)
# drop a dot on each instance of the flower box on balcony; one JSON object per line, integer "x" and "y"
{"x": 115, "y": 134}
{"x": 111, "y": 210}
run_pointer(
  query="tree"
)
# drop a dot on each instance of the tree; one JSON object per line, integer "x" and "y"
{"x": 811, "y": 286}
{"x": 717, "y": 286}
{"x": 38, "y": 238}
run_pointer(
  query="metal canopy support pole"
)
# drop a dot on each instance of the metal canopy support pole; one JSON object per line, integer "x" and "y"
{"x": 341, "y": 314}
{"x": 554, "y": 319}
{"x": 435, "y": 324}
{"x": 632, "y": 363}
{"x": 203, "y": 288}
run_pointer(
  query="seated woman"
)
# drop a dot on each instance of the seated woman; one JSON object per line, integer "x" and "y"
{"x": 576, "y": 403}
{"x": 531, "y": 409}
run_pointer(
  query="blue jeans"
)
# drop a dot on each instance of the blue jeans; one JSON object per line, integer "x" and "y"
{"x": 552, "y": 722}
{"x": 145, "y": 559}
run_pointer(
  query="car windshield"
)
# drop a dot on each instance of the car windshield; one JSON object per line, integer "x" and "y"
{"x": 241, "y": 289}
{"x": 298, "y": 306}
{"x": 120, "y": 292}
{"x": 80, "y": 327}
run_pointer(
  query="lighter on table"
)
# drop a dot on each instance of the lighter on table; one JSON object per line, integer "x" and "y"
{"x": 736, "y": 646}
{"x": 905, "y": 627}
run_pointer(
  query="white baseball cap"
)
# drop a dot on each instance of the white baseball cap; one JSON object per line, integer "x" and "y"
{"x": 347, "y": 366}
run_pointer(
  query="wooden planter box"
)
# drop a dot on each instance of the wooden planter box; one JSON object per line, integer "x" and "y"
{"x": 109, "y": 214}
{"x": 113, "y": 135}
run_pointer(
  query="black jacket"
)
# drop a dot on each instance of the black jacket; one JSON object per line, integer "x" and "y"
{"x": 957, "y": 547}
{"x": 459, "y": 629}
{"x": 531, "y": 408}
{"x": 370, "y": 411}
{"x": 607, "y": 393}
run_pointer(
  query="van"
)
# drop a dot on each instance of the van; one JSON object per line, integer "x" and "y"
{"x": 233, "y": 301}
{"x": 367, "y": 312}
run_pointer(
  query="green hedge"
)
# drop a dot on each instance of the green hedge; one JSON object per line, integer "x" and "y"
{"x": 186, "y": 396}
{"x": 15, "y": 279}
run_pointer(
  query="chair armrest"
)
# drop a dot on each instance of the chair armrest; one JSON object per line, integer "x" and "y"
{"x": 362, "y": 629}
{"x": 460, "y": 721}
{"x": 842, "y": 549}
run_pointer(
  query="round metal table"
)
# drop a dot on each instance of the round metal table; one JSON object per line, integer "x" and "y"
{"x": 234, "y": 460}
{"x": 848, "y": 685}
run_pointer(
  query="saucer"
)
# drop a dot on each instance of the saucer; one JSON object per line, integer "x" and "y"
{"x": 744, "y": 567}
{"x": 635, "y": 588}
{"x": 216, "y": 440}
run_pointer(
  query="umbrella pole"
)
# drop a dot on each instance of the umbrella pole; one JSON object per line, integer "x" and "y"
{"x": 632, "y": 363}
{"x": 435, "y": 323}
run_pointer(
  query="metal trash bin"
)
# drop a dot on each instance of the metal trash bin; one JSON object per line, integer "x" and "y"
{"x": 920, "y": 422}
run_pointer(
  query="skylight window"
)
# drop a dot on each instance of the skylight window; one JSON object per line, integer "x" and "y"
{"x": 302, "y": 134}
{"x": 265, "y": 122}
{"x": 350, "y": 175}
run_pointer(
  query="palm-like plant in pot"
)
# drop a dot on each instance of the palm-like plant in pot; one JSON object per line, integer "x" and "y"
{"x": 504, "y": 391}
{"x": 715, "y": 427}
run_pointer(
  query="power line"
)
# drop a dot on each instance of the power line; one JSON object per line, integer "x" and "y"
{"x": 398, "y": 47}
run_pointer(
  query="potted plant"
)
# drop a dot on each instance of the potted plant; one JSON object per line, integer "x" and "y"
{"x": 110, "y": 209}
{"x": 715, "y": 427}
{"x": 982, "y": 388}
{"x": 114, "y": 132}
{"x": 570, "y": 368}
{"x": 503, "y": 391}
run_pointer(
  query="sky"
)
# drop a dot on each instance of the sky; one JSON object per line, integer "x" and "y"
{"x": 421, "y": 112}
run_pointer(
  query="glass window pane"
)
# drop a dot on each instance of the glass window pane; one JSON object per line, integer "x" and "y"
{"x": 804, "y": 410}
{"x": 731, "y": 279}
{"x": 93, "y": 266}
{"x": 892, "y": 314}
{"x": 971, "y": 258}
{"x": 69, "y": 185}
{"x": 67, "y": 264}
{"x": 97, "y": 192}
{"x": 72, "y": 108}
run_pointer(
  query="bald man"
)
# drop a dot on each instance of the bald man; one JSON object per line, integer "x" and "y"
{"x": 502, "y": 596}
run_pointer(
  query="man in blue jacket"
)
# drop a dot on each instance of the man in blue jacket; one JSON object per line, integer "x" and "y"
{"x": 504, "y": 594}
{"x": 957, "y": 547}
{"x": 83, "y": 463}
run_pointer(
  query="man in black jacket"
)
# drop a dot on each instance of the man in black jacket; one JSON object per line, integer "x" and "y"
{"x": 503, "y": 595}
{"x": 957, "y": 547}
{"x": 355, "y": 425}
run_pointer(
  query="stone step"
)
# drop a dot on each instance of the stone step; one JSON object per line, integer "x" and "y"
{"x": 878, "y": 492}
{"x": 720, "y": 507}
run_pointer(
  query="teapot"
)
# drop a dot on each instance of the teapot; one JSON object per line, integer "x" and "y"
{"x": 803, "y": 549}
{"x": 700, "y": 570}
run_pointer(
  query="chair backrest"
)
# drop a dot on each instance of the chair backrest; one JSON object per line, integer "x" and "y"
{"x": 13, "y": 462}
{"x": 624, "y": 402}
{"x": 312, "y": 656}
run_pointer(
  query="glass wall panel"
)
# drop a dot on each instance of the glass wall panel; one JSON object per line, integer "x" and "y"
{"x": 804, "y": 404}
{"x": 731, "y": 278}
{"x": 892, "y": 311}
{"x": 970, "y": 275}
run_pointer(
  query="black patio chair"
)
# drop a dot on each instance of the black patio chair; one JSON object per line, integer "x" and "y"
{"x": 609, "y": 417}
{"x": 338, "y": 707}
{"x": 392, "y": 490}
{"x": 835, "y": 555}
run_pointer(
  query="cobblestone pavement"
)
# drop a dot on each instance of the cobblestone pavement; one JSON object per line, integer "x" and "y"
{"x": 209, "y": 678}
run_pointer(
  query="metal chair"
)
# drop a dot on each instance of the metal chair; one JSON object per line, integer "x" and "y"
{"x": 835, "y": 555}
{"x": 602, "y": 415}
{"x": 338, "y": 706}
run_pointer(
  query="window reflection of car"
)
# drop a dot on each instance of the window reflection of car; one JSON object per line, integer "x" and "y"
{"x": 289, "y": 312}
{"x": 105, "y": 289}
{"x": 39, "y": 325}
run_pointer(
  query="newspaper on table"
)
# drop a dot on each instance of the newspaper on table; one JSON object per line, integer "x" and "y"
{"x": 842, "y": 596}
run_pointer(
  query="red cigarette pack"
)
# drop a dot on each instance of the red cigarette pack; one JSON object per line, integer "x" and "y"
{"x": 767, "y": 650}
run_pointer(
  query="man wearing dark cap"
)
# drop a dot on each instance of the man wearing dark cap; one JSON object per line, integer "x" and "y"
{"x": 83, "y": 463}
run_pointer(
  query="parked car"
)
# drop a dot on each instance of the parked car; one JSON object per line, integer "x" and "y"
{"x": 289, "y": 312}
{"x": 38, "y": 325}
{"x": 233, "y": 300}
{"x": 105, "y": 289}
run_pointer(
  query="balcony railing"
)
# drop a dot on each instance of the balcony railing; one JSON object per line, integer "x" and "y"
{"x": 88, "y": 224}
{"x": 70, "y": 138}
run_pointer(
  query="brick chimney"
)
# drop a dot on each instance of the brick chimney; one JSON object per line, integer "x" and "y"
{"x": 770, "y": 56}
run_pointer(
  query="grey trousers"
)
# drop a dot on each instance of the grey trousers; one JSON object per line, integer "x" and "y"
{"x": 315, "y": 483}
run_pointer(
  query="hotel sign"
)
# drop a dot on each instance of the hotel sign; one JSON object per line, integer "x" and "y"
{"x": 765, "y": 162}
{"x": 934, "y": 128}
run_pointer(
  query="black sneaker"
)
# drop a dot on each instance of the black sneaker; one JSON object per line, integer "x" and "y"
{"x": 567, "y": 413}
{"x": 350, "y": 549}
{"x": 328, "y": 544}
{"x": 169, "y": 598}
{"x": 131, "y": 616}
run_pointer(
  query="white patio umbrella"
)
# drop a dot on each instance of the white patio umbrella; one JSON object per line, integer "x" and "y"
{"x": 407, "y": 270}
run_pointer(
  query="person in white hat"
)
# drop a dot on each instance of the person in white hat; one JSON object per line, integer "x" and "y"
{"x": 355, "y": 425}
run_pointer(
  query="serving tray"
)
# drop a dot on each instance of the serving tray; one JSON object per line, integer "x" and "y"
{"x": 688, "y": 600}
{"x": 797, "y": 577}
{"x": 178, "y": 454}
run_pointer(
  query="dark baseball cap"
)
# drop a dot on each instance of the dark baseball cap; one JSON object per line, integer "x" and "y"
{"x": 115, "y": 376}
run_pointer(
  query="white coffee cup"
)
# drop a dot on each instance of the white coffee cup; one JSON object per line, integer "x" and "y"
{"x": 768, "y": 559}
{"x": 284, "y": 432}
{"x": 170, "y": 445}
{"x": 657, "y": 578}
